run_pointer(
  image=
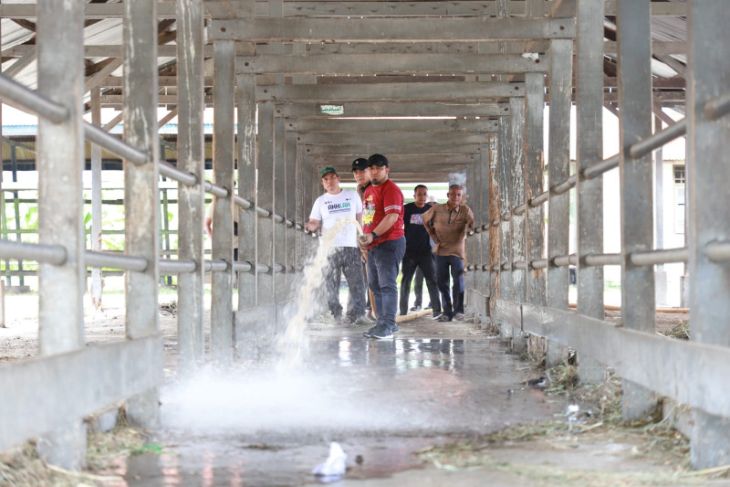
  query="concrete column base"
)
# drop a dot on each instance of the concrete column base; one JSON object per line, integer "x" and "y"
{"x": 556, "y": 354}
{"x": 590, "y": 371}
{"x": 710, "y": 440}
{"x": 144, "y": 409}
{"x": 637, "y": 403}
{"x": 65, "y": 448}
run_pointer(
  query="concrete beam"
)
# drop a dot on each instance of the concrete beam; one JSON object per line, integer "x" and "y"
{"x": 378, "y": 63}
{"x": 401, "y": 109}
{"x": 389, "y": 29}
{"x": 690, "y": 377}
{"x": 392, "y": 125}
{"x": 450, "y": 91}
{"x": 391, "y": 138}
{"x": 404, "y": 146}
{"x": 93, "y": 378}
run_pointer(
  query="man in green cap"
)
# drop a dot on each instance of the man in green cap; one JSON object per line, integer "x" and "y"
{"x": 337, "y": 212}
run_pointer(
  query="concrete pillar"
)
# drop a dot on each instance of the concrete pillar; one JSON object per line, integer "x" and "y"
{"x": 140, "y": 87}
{"x": 561, "y": 93}
{"x": 517, "y": 198}
{"x": 191, "y": 158}
{"x": 265, "y": 199}
{"x": 637, "y": 210}
{"x": 707, "y": 179}
{"x": 589, "y": 201}
{"x": 534, "y": 165}
{"x": 279, "y": 208}
{"x": 95, "y": 287}
{"x": 60, "y": 205}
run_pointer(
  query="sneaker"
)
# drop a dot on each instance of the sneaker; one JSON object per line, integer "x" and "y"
{"x": 436, "y": 316}
{"x": 382, "y": 333}
{"x": 444, "y": 318}
{"x": 416, "y": 308}
{"x": 395, "y": 328}
{"x": 459, "y": 316}
{"x": 369, "y": 333}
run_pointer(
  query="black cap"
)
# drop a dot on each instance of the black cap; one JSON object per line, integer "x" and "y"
{"x": 359, "y": 164}
{"x": 377, "y": 160}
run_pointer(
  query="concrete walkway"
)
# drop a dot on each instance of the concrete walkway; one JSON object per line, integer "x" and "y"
{"x": 383, "y": 401}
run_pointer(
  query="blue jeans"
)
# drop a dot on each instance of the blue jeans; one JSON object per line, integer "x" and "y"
{"x": 383, "y": 263}
{"x": 443, "y": 263}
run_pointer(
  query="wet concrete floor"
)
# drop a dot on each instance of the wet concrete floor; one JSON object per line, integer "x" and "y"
{"x": 381, "y": 400}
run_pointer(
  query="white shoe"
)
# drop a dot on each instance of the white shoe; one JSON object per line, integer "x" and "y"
{"x": 459, "y": 316}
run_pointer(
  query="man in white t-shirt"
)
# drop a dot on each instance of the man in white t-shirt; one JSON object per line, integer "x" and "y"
{"x": 338, "y": 212}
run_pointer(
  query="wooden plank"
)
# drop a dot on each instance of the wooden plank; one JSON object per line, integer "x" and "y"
{"x": 389, "y": 29}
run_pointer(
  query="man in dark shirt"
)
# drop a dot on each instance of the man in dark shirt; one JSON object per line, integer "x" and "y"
{"x": 418, "y": 251}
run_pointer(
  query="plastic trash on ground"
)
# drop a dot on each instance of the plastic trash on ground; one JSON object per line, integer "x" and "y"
{"x": 334, "y": 467}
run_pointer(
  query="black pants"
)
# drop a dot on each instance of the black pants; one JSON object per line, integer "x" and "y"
{"x": 456, "y": 265}
{"x": 425, "y": 263}
{"x": 345, "y": 260}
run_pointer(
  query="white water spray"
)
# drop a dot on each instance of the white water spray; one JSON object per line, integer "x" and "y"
{"x": 292, "y": 345}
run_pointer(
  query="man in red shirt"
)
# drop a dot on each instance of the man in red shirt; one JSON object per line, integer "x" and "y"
{"x": 383, "y": 235}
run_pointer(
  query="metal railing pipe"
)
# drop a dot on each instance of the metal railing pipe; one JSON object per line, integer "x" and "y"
{"x": 242, "y": 202}
{"x": 49, "y": 254}
{"x": 519, "y": 264}
{"x": 564, "y": 260}
{"x": 603, "y": 259}
{"x": 277, "y": 218}
{"x": 114, "y": 144}
{"x": 115, "y": 261}
{"x": 662, "y": 256}
{"x": 657, "y": 140}
{"x": 718, "y": 251}
{"x": 28, "y": 100}
{"x": 215, "y": 266}
{"x": 599, "y": 168}
{"x": 565, "y": 186}
{"x": 539, "y": 199}
{"x": 241, "y": 266}
{"x": 519, "y": 210}
{"x": 169, "y": 267}
{"x": 262, "y": 269}
{"x": 215, "y": 190}
{"x": 169, "y": 171}
{"x": 719, "y": 107}
{"x": 539, "y": 264}
{"x": 262, "y": 212}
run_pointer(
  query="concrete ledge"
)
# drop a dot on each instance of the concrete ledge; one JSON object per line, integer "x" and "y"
{"x": 689, "y": 373}
{"x": 48, "y": 393}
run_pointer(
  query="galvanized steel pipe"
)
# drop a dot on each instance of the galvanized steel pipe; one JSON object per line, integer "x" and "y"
{"x": 114, "y": 144}
{"x": 603, "y": 259}
{"x": 215, "y": 190}
{"x": 115, "y": 261}
{"x": 599, "y": 168}
{"x": 49, "y": 254}
{"x": 718, "y": 251}
{"x": 565, "y": 186}
{"x": 215, "y": 266}
{"x": 657, "y": 140}
{"x": 28, "y": 100}
{"x": 539, "y": 264}
{"x": 242, "y": 202}
{"x": 718, "y": 107}
{"x": 170, "y": 267}
{"x": 240, "y": 266}
{"x": 664, "y": 256}
{"x": 169, "y": 171}
{"x": 520, "y": 264}
{"x": 539, "y": 199}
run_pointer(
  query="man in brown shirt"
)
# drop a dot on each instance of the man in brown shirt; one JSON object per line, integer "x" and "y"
{"x": 447, "y": 225}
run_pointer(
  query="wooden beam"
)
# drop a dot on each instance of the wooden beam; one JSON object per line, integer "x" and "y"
{"x": 334, "y": 125}
{"x": 385, "y": 30}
